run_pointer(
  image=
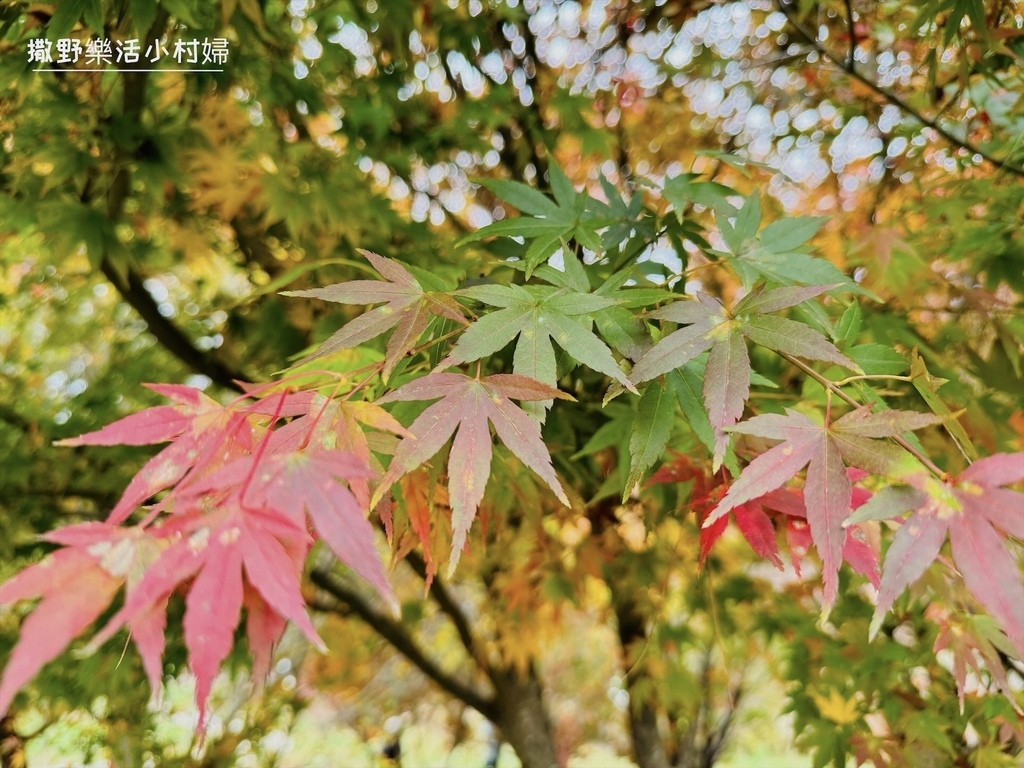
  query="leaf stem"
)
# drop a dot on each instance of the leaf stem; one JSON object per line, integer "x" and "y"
{"x": 692, "y": 270}
{"x": 261, "y": 449}
{"x": 254, "y": 393}
{"x": 870, "y": 376}
{"x": 831, "y": 386}
{"x": 427, "y": 345}
{"x": 375, "y": 369}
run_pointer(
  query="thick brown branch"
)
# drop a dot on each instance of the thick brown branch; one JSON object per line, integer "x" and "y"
{"x": 395, "y": 634}
{"x": 648, "y": 748}
{"x": 167, "y": 333}
{"x": 446, "y": 602}
{"x": 849, "y": 67}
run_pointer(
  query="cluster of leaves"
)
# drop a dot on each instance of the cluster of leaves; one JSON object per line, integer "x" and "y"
{"x": 237, "y": 482}
{"x": 232, "y": 525}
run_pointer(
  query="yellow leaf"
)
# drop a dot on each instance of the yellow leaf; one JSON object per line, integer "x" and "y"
{"x": 837, "y": 709}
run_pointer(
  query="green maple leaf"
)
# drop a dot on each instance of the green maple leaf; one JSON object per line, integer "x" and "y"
{"x": 779, "y": 253}
{"x": 614, "y": 433}
{"x": 407, "y": 308}
{"x": 550, "y": 223}
{"x": 468, "y": 404}
{"x": 537, "y": 314}
{"x": 825, "y": 450}
{"x": 711, "y": 327}
{"x": 684, "y": 189}
{"x": 650, "y": 431}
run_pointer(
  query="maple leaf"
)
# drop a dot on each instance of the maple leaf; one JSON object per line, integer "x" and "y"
{"x": 828, "y": 492}
{"x": 650, "y": 432}
{"x": 77, "y": 584}
{"x": 469, "y": 404}
{"x": 756, "y": 527}
{"x": 422, "y": 496}
{"x": 231, "y": 557}
{"x": 975, "y": 643}
{"x": 710, "y": 326}
{"x": 237, "y": 528}
{"x": 779, "y": 252}
{"x": 200, "y": 428}
{"x": 287, "y": 486}
{"x": 551, "y": 223}
{"x": 75, "y": 590}
{"x": 892, "y": 262}
{"x": 971, "y": 509}
{"x": 407, "y": 308}
{"x": 536, "y": 314}
{"x": 331, "y": 424}
{"x": 856, "y": 551}
{"x": 223, "y": 175}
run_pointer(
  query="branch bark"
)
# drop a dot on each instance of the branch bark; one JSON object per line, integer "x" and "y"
{"x": 167, "y": 334}
{"x": 523, "y": 719}
{"x": 643, "y": 720}
{"x": 449, "y": 606}
{"x": 350, "y": 601}
{"x": 702, "y": 744}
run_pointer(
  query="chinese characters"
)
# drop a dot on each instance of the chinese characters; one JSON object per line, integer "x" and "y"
{"x": 101, "y": 53}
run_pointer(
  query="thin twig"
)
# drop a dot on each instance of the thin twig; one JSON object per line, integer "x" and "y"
{"x": 449, "y": 606}
{"x": 849, "y": 68}
{"x": 853, "y": 35}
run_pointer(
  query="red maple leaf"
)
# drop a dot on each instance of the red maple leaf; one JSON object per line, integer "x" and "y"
{"x": 856, "y": 551}
{"x": 468, "y": 404}
{"x": 286, "y": 486}
{"x": 757, "y": 526}
{"x": 972, "y": 509}
{"x": 75, "y": 590}
{"x": 827, "y": 492}
{"x": 332, "y": 424}
{"x": 229, "y": 556}
{"x": 709, "y": 325}
{"x": 202, "y": 430}
{"x": 234, "y": 534}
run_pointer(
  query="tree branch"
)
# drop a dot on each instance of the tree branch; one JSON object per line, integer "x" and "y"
{"x": 446, "y": 602}
{"x": 168, "y": 335}
{"x": 130, "y": 285}
{"x": 852, "y": 57}
{"x": 398, "y": 637}
{"x": 529, "y": 117}
{"x": 648, "y": 748}
{"x": 849, "y": 68}
{"x": 16, "y": 420}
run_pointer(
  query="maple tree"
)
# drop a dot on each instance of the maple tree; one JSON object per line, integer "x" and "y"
{"x": 541, "y": 385}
